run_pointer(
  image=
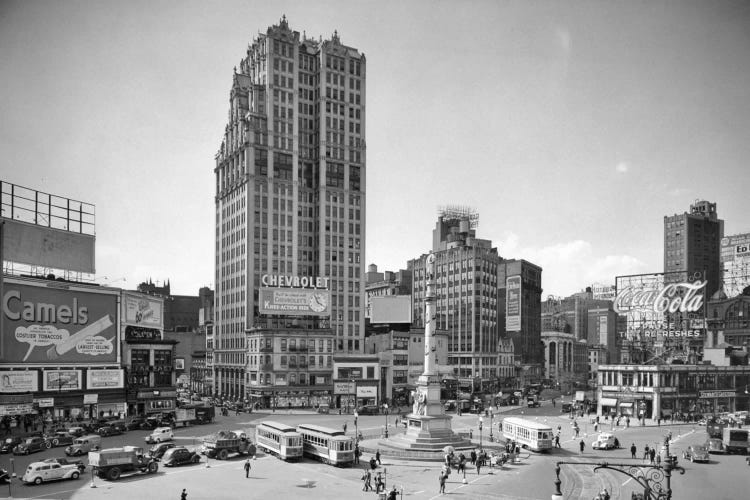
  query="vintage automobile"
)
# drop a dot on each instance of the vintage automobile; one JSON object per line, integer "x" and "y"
{"x": 10, "y": 443}
{"x": 158, "y": 450}
{"x": 324, "y": 408}
{"x": 605, "y": 441}
{"x": 66, "y": 461}
{"x": 60, "y": 438}
{"x": 109, "y": 430}
{"x": 368, "y": 410}
{"x": 76, "y": 431}
{"x": 450, "y": 405}
{"x": 179, "y": 455}
{"x": 715, "y": 445}
{"x": 40, "y": 472}
{"x": 696, "y": 453}
{"x": 32, "y": 445}
{"x": 160, "y": 434}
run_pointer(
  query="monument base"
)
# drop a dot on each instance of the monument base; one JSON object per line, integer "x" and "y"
{"x": 427, "y": 433}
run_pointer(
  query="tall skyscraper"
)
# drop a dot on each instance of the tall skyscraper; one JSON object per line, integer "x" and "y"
{"x": 290, "y": 195}
{"x": 692, "y": 245}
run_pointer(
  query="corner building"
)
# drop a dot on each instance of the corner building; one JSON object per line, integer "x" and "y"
{"x": 290, "y": 193}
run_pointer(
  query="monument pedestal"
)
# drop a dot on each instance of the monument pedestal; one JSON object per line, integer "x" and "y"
{"x": 428, "y": 428}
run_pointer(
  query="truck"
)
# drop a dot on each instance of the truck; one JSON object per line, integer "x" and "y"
{"x": 194, "y": 414}
{"x": 532, "y": 401}
{"x": 223, "y": 443}
{"x": 110, "y": 463}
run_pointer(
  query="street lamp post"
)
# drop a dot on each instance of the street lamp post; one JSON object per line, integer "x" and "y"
{"x": 481, "y": 420}
{"x": 356, "y": 427}
{"x": 492, "y": 418}
{"x": 385, "y": 408}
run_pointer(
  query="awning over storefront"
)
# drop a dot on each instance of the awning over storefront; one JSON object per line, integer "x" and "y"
{"x": 609, "y": 402}
{"x": 626, "y": 405}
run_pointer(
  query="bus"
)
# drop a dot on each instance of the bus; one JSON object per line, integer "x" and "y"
{"x": 278, "y": 439}
{"x": 530, "y": 434}
{"x": 736, "y": 440}
{"x": 715, "y": 427}
{"x": 330, "y": 446}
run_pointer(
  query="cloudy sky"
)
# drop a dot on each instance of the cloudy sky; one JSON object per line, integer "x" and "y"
{"x": 571, "y": 127}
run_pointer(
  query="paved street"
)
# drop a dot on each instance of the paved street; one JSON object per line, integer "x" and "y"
{"x": 531, "y": 479}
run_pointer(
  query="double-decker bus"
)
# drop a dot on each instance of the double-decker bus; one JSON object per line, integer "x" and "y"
{"x": 530, "y": 434}
{"x": 279, "y": 439}
{"x": 330, "y": 446}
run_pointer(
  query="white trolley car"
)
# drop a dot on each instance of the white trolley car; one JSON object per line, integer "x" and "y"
{"x": 331, "y": 446}
{"x": 529, "y": 434}
{"x": 279, "y": 439}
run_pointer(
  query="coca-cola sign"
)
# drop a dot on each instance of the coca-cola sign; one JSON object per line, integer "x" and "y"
{"x": 672, "y": 298}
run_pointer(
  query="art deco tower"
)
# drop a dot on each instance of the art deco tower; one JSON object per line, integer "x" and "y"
{"x": 290, "y": 191}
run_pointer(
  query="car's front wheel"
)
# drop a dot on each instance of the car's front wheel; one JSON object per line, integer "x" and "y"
{"x": 37, "y": 481}
{"x": 74, "y": 475}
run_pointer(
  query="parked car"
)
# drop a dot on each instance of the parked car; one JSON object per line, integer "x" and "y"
{"x": 66, "y": 461}
{"x": 179, "y": 455}
{"x": 109, "y": 430}
{"x": 368, "y": 410}
{"x": 83, "y": 445}
{"x": 450, "y": 405}
{"x": 158, "y": 450}
{"x": 60, "y": 438}
{"x": 324, "y": 408}
{"x": 10, "y": 443}
{"x": 134, "y": 423}
{"x": 40, "y": 472}
{"x": 696, "y": 453}
{"x": 160, "y": 434}
{"x": 32, "y": 445}
{"x": 76, "y": 431}
{"x": 715, "y": 445}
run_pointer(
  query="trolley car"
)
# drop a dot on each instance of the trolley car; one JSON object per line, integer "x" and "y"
{"x": 279, "y": 439}
{"x": 529, "y": 434}
{"x": 330, "y": 446}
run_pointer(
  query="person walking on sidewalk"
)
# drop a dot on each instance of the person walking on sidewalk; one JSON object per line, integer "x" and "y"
{"x": 377, "y": 456}
{"x": 557, "y": 440}
{"x": 183, "y": 495}
{"x": 633, "y": 450}
{"x": 645, "y": 453}
{"x": 441, "y": 479}
{"x": 366, "y": 478}
{"x": 582, "y": 445}
{"x": 247, "y": 468}
{"x": 652, "y": 454}
{"x": 357, "y": 453}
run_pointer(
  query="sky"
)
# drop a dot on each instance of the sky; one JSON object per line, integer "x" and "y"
{"x": 572, "y": 128}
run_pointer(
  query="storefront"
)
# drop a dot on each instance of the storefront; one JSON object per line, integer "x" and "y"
{"x": 608, "y": 406}
{"x": 289, "y": 397}
{"x": 156, "y": 401}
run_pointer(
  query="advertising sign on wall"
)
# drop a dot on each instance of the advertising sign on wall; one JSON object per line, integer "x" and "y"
{"x": 61, "y": 380}
{"x": 367, "y": 391}
{"x": 17, "y": 409}
{"x": 343, "y": 388}
{"x": 142, "y": 310}
{"x": 15, "y": 381}
{"x": 45, "y": 402}
{"x": 295, "y": 301}
{"x": 46, "y": 323}
{"x": 513, "y": 304}
{"x": 104, "y": 379}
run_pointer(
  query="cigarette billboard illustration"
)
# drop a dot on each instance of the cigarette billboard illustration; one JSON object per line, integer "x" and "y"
{"x": 91, "y": 330}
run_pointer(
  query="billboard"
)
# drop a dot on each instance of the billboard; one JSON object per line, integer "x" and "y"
{"x": 55, "y": 323}
{"x": 735, "y": 260}
{"x": 513, "y": 304}
{"x": 295, "y": 301}
{"x": 17, "y": 381}
{"x": 142, "y": 310}
{"x": 61, "y": 380}
{"x": 104, "y": 379}
{"x": 390, "y": 309}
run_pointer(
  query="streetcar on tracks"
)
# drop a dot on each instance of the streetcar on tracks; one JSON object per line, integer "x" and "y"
{"x": 330, "y": 446}
{"x": 279, "y": 439}
{"x": 529, "y": 434}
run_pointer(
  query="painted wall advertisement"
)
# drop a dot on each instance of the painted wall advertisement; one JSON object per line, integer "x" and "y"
{"x": 104, "y": 379}
{"x": 143, "y": 310}
{"x": 295, "y": 301}
{"x": 46, "y": 325}
{"x": 367, "y": 391}
{"x": 513, "y": 304}
{"x": 343, "y": 387}
{"x": 61, "y": 380}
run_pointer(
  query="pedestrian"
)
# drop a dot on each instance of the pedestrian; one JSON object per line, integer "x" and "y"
{"x": 633, "y": 450}
{"x": 441, "y": 479}
{"x": 627, "y": 421}
{"x": 377, "y": 456}
{"x": 357, "y": 453}
{"x": 473, "y": 457}
{"x": 658, "y": 460}
{"x": 553, "y": 402}
{"x": 582, "y": 445}
{"x": 645, "y": 453}
{"x": 596, "y": 427}
{"x": 605, "y": 494}
{"x": 557, "y": 440}
{"x": 578, "y": 429}
{"x": 373, "y": 463}
{"x": 379, "y": 484}
{"x": 366, "y": 486}
{"x": 344, "y": 426}
{"x": 183, "y": 496}
{"x": 393, "y": 494}
{"x": 652, "y": 454}
{"x": 479, "y": 465}
{"x": 247, "y": 468}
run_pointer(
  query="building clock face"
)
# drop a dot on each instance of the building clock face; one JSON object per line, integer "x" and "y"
{"x": 318, "y": 302}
